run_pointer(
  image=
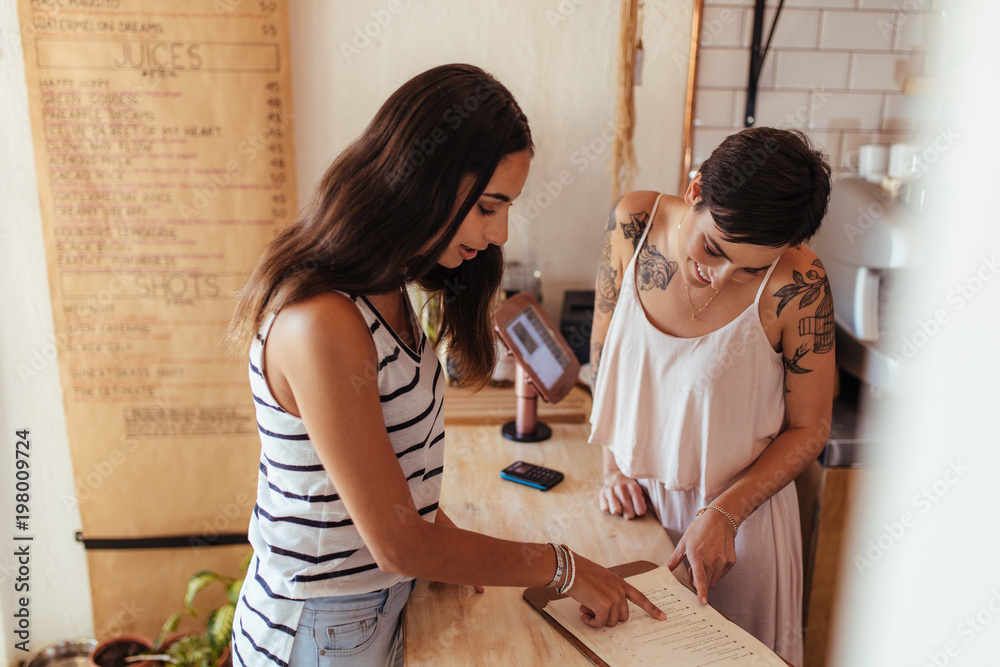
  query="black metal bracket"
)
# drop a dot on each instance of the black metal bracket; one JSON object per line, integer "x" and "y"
{"x": 757, "y": 55}
{"x": 171, "y": 542}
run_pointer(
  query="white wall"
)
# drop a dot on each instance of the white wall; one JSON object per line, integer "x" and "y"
{"x": 558, "y": 59}
{"x": 60, "y": 585}
{"x": 836, "y": 69}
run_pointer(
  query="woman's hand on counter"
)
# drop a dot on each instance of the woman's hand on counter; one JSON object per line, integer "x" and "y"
{"x": 604, "y": 596}
{"x": 622, "y": 495}
{"x": 710, "y": 548}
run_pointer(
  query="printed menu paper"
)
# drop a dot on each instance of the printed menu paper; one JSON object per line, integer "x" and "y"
{"x": 692, "y": 636}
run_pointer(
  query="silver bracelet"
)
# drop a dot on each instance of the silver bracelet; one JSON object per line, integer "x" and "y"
{"x": 565, "y": 557}
{"x": 560, "y": 564}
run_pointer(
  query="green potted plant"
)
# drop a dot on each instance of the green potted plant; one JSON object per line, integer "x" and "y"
{"x": 210, "y": 648}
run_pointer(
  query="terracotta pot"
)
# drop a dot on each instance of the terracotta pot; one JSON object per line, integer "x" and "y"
{"x": 112, "y": 653}
{"x": 225, "y": 659}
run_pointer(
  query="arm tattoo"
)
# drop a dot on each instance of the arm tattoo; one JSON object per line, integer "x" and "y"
{"x": 653, "y": 269}
{"x": 607, "y": 293}
{"x": 634, "y": 228}
{"x": 595, "y": 360}
{"x": 820, "y": 325}
{"x": 792, "y": 365}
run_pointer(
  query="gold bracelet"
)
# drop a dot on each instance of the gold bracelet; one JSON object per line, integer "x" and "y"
{"x": 727, "y": 515}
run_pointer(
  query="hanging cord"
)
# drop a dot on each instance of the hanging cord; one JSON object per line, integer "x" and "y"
{"x": 623, "y": 164}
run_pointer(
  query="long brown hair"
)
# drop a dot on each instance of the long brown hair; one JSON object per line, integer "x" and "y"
{"x": 391, "y": 193}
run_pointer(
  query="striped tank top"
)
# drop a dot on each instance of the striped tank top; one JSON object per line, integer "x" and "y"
{"x": 305, "y": 544}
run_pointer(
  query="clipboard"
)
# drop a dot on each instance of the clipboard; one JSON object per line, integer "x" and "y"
{"x": 539, "y": 596}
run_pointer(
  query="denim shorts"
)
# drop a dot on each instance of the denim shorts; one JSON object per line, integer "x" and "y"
{"x": 362, "y": 630}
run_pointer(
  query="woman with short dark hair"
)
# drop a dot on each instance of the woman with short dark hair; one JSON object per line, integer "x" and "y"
{"x": 712, "y": 349}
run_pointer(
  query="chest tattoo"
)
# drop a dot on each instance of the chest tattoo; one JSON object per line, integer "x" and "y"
{"x": 653, "y": 270}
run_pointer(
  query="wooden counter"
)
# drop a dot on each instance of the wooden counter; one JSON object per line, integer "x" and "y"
{"x": 453, "y": 625}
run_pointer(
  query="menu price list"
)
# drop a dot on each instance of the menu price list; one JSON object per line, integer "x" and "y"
{"x": 163, "y": 146}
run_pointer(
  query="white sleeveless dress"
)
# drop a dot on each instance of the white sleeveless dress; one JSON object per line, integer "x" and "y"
{"x": 685, "y": 416}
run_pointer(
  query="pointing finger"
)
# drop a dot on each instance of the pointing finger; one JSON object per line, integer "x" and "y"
{"x": 636, "y": 596}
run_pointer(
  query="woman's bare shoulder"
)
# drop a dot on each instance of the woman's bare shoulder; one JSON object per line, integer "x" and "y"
{"x": 636, "y": 202}
{"x": 329, "y": 322}
{"x": 313, "y": 345}
{"x": 800, "y": 259}
{"x": 631, "y": 216}
{"x": 799, "y": 273}
{"x": 637, "y": 206}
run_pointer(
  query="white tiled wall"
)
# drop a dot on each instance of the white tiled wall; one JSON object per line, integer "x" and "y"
{"x": 836, "y": 69}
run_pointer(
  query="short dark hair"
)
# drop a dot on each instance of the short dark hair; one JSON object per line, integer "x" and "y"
{"x": 766, "y": 186}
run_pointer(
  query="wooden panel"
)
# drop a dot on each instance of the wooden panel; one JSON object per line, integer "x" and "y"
{"x": 808, "y": 487}
{"x": 135, "y": 590}
{"x": 836, "y": 509}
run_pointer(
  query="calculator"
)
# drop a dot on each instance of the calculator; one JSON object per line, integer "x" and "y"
{"x": 532, "y": 475}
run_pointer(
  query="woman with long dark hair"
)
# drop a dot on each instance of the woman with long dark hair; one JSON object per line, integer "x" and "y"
{"x": 348, "y": 393}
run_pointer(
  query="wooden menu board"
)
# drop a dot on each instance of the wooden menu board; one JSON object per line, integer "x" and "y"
{"x": 164, "y": 151}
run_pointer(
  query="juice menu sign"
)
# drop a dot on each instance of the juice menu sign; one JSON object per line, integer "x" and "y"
{"x": 163, "y": 147}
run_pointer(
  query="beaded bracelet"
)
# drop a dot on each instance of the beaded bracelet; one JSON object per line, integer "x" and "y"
{"x": 560, "y": 564}
{"x": 571, "y": 578}
{"x": 566, "y": 559}
{"x": 724, "y": 512}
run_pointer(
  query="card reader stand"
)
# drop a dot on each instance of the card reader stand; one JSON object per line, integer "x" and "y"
{"x": 525, "y": 427}
{"x": 546, "y": 365}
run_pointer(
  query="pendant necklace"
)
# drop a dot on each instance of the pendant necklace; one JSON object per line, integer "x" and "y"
{"x": 687, "y": 289}
{"x": 694, "y": 313}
